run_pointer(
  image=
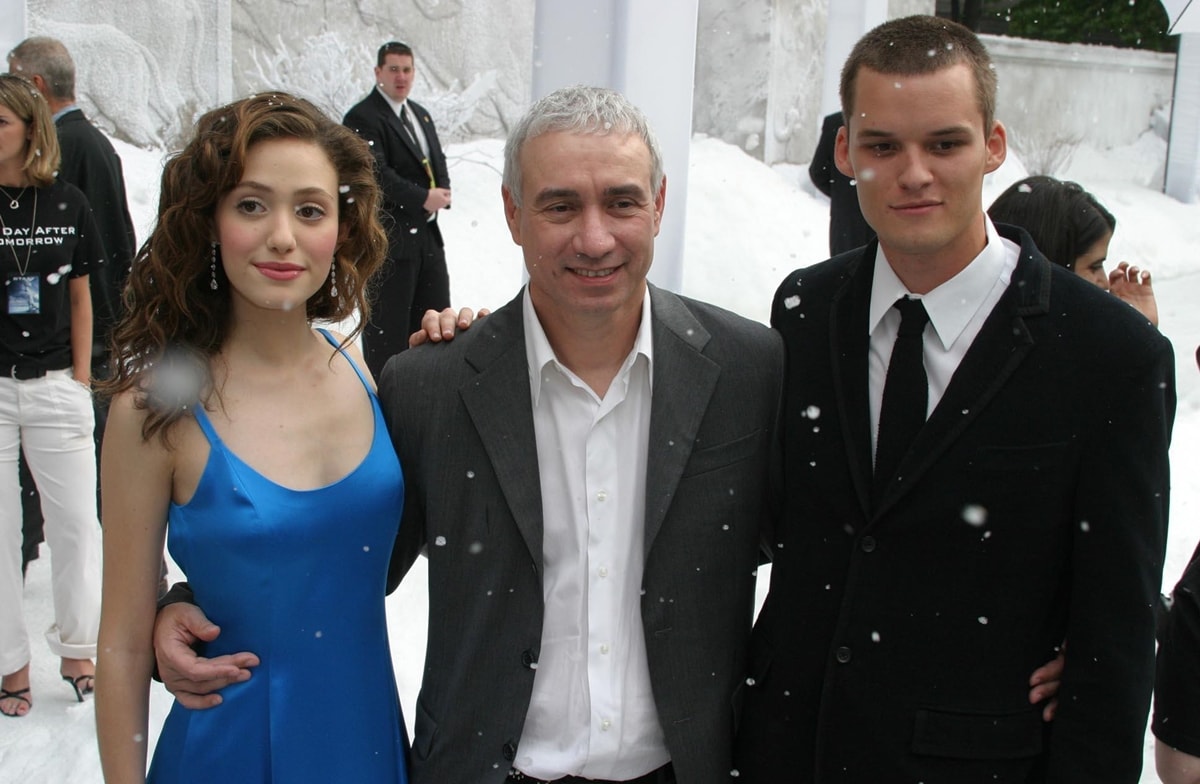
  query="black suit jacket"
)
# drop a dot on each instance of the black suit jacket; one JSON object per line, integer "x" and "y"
{"x": 90, "y": 163}
{"x": 897, "y": 641}
{"x": 848, "y": 229}
{"x": 461, "y": 420}
{"x": 402, "y": 175}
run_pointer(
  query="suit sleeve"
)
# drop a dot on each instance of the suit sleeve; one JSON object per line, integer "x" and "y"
{"x": 410, "y": 538}
{"x": 1115, "y": 573}
{"x": 396, "y": 189}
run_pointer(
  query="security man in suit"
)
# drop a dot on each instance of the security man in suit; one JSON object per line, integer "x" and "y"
{"x": 416, "y": 187}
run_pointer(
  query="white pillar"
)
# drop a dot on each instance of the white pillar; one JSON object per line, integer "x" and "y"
{"x": 15, "y": 28}
{"x": 1182, "y": 179}
{"x": 647, "y": 51}
{"x": 846, "y": 23}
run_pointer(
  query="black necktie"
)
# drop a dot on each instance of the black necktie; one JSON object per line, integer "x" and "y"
{"x": 408, "y": 126}
{"x": 905, "y": 393}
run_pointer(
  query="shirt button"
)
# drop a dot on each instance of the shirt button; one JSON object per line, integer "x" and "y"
{"x": 843, "y": 655}
{"x": 604, "y": 647}
{"x": 603, "y": 571}
{"x": 867, "y": 544}
{"x": 605, "y": 724}
{"x": 602, "y": 496}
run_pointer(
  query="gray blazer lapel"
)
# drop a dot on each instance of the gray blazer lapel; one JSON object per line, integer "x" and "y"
{"x": 684, "y": 380}
{"x": 500, "y": 406}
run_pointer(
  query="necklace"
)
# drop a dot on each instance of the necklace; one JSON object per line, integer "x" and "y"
{"x": 29, "y": 246}
{"x": 13, "y": 201}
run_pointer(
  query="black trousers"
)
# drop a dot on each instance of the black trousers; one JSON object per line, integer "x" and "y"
{"x": 414, "y": 279}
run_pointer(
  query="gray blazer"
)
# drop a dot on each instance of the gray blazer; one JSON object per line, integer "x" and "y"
{"x": 461, "y": 421}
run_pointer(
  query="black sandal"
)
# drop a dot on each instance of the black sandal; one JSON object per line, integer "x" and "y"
{"x": 19, "y": 694}
{"x": 81, "y": 693}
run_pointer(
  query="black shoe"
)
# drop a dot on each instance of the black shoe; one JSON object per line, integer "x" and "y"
{"x": 19, "y": 694}
{"x": 80, "y": 693}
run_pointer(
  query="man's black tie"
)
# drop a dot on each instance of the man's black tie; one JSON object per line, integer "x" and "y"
{"x": 408, "y": 126}
{"x": 905, "y": 393}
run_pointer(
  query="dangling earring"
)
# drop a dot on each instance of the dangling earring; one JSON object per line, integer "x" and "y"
{"x": 212, "y": 266}
{"x": 333, "y": 279}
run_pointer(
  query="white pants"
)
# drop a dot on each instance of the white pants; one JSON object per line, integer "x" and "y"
{"x": 52, "y": 419}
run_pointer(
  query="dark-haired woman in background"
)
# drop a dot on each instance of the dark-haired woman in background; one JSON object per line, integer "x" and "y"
{"x": 1072, "y": 228}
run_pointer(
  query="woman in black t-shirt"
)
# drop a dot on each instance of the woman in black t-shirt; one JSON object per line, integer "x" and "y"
{"x": 48, "y": 246}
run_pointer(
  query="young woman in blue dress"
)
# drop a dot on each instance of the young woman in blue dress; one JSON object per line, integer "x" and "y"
{"x": 255, "y": 445}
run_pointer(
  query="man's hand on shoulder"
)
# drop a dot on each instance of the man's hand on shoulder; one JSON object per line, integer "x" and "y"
{"x": 437, "y": 326}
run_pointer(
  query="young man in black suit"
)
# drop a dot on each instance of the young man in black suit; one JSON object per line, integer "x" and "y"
{"x": 918, "y": 579}
{"x": 416, "y": 186}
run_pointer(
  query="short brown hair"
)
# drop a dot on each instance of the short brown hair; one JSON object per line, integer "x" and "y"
{"x": 393, "y": 47}
{"x": 921, "y": 45}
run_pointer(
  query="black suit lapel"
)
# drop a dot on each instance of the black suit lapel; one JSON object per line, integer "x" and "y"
{"x": 394, "y": 125}
{"x": 849, "y": 342}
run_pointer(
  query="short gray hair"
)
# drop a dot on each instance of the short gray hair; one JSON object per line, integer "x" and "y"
{"x": 49, "y": 59}
{"x": 597, "y": 110}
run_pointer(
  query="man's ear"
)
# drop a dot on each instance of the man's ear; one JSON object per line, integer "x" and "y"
{"x": 512, "y": 214}
{"x": 841, "y": 152}
{"x": 997, "y": 147}
{"x": 660, "y": 203}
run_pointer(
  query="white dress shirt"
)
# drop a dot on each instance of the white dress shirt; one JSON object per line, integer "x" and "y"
{"x": 957, "y": 310}
{"x": 592, "y": 711}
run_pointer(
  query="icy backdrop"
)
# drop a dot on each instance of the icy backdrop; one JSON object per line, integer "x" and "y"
{"x": 147, "y": 67}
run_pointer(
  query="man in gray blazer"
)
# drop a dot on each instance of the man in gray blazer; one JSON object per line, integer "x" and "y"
{"x": 590, "y": 485}
{"x": 589, "y": 471}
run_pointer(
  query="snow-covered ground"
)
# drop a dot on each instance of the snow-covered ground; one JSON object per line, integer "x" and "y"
{"x": 747, "y": 226}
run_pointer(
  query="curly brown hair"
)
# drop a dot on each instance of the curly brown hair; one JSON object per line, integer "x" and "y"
{"x": 173, "y": 315}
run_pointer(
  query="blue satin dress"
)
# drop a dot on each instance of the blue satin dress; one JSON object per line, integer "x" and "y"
{"x": 297, "y": 577}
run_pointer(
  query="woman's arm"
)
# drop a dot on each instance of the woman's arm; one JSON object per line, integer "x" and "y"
{"x": 81, "y": 330}
{"x": 136, "y": 477}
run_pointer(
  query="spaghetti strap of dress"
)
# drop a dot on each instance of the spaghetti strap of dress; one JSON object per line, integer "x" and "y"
{"x": 334, "y": 342}
{"x": 206, "y": 425}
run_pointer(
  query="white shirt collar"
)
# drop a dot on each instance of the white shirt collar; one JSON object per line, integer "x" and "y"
{"x": 396, "y": 105}
{"x": 951, "y": 305}
{"x": 538, "y": 352}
